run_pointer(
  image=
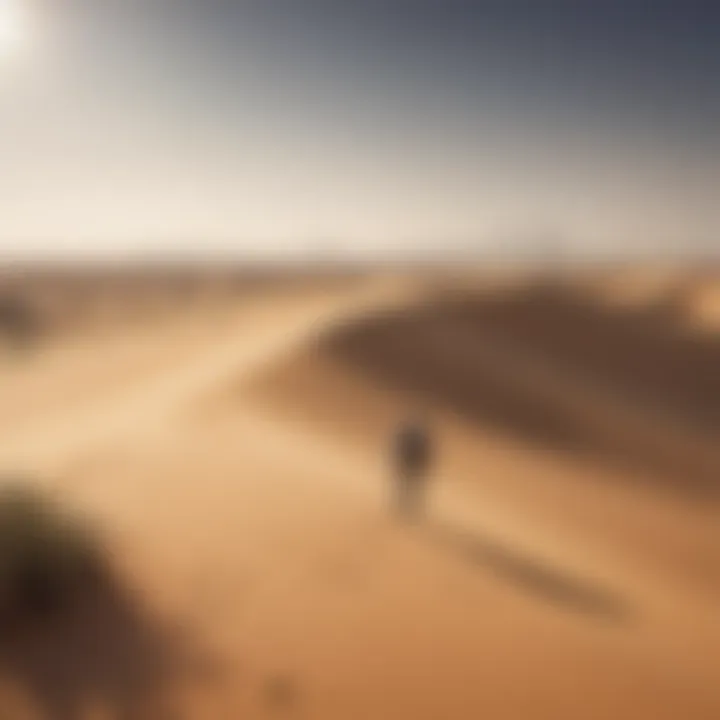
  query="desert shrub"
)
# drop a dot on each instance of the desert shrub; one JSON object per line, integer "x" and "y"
{"x": 47, "y": 554}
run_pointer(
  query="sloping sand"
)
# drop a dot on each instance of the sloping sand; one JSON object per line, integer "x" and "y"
{"x": 240, "y": 476}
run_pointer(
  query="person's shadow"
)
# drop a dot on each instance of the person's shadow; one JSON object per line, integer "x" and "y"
{"x": 109, "y": 655}
{"x": 531, "y": 575}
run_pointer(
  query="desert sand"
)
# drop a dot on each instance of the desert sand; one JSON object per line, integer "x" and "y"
{"x": 233, "y": 450}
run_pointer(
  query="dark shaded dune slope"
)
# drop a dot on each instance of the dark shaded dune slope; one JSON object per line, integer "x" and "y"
{"x": 633, "y": 390}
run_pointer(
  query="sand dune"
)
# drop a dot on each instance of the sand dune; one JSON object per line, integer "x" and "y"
{"x": 631, "y": 389}
{"x": 240, "y": 474}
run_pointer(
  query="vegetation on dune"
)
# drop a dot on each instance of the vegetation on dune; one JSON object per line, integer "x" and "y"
{"x": 48, "y": 555}
{"x": 74, "y": 635}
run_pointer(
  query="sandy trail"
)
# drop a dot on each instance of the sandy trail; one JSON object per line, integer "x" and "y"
{"x": 184, "y": 374}
{"x": 275, "y": 545}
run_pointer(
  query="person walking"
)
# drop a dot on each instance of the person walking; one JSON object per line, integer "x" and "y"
{"x": 412, "y": 458}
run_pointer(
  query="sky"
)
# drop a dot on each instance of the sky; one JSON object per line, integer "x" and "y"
{"x": 358, "y": 127}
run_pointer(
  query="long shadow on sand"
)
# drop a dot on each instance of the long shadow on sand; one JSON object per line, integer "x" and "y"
{"x": 110, "y": 655}
{"x": 532, "y": 575}
{"x": 646, "y": 359}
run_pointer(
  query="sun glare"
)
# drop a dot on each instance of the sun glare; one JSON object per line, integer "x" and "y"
{"x": 12, "y": 28}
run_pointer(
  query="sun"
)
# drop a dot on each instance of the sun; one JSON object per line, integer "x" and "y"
{"x": 12, "y": 28}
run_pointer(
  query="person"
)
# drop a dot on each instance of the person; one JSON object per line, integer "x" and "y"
{"x": 18, "y": 323}
{"x": 412, "y": 457}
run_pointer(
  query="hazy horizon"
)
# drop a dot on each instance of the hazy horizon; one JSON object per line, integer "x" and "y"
{"x": 270, "y": 128}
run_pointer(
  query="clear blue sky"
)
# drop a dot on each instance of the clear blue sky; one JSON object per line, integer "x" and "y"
{"x": 281, "y": 126}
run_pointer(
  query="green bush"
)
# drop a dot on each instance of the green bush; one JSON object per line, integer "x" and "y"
{"x": 47, "y": 554}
